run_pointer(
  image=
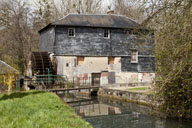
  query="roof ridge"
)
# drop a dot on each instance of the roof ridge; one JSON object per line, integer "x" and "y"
{"x": 99, "y": 15}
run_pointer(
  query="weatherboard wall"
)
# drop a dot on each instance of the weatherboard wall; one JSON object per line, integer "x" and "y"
{"x": 145, "y": 64}
{"x": 47, "y": 39}
{"x": 90, "y": 42}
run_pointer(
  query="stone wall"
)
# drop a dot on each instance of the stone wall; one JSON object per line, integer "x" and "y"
{"x": 127, "y": 95}
{"x": 110, "y": 73}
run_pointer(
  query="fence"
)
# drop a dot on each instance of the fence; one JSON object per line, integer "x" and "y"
{"x": 8, "y": 82}
{"x": 40, "y": 82}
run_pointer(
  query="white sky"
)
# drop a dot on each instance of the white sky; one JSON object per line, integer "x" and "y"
{"x": 105, "y": 3}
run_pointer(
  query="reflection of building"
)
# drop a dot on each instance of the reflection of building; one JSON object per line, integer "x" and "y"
{"x": 103, "y": 49}
{"x": 97, "y": 110}
{"x": 161, "y": 124}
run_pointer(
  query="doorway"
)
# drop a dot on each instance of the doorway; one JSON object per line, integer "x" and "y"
{"x": 96, "y": 79}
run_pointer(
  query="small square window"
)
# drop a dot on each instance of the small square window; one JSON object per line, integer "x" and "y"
{"x": 71, "y": 32}
{"x": 134, "y": 56}
{"x": 67, "y": 64}
{"x": 106, "y": 33}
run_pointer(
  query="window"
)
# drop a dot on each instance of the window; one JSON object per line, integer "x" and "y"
{"x": 80, "y": 60}
{"x": 71, "y": 32}
{"x": 134, "y": 56}
{"x": 67, "y": 64}
{"x": 111, "y": 60}
{"x": 106, "y": 33}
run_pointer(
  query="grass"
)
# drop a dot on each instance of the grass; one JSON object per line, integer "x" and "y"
{"x": 37, "y": 110}
{"x": 138, "y": 89}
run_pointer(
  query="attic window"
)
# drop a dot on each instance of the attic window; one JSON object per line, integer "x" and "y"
{"x": 134, "y": 56}
{"x": 111, "y": 60}
{"x": 71, "y": 32}
{"x": 106, "y": 33}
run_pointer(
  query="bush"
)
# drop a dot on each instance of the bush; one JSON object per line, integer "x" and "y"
{"x": 174, "y": 61}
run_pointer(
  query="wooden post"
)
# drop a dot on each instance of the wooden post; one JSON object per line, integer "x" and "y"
{"x": 4, "y": 80}
{"x": 83, "y": 81}
{"x": 89, "y": 85}
{"x": 9, "y": 88}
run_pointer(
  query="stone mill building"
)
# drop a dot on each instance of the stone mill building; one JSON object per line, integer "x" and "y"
{"x": 103, "y": 49}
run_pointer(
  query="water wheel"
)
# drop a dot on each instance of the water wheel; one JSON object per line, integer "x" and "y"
{"x": 41, "y": 63}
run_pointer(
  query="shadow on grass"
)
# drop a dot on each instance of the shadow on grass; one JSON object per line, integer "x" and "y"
{"x": 19, "y": 95}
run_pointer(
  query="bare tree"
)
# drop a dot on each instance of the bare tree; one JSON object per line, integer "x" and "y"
{"x": 18, "y": 37}
{"x": 45, "y": 11}
{"x": 133, "y": 9}
{"x": 51, "y": 10}
{"x": 64, "y": 7}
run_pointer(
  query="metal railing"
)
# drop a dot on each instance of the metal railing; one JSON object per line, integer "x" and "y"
{"x": 54, "y": 81}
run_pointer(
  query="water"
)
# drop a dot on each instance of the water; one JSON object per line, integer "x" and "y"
{"x": 105, "y": 113}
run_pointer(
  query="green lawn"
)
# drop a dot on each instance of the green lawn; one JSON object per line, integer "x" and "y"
{"x": 137, "y": 89}
{"x": 37, "y": 110}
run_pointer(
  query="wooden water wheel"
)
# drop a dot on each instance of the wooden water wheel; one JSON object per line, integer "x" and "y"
{"x": 41, "y": 63}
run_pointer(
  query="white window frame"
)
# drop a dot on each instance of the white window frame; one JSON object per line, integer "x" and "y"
{"x": 69, "y": 31}
{"x": 136, "y": 59}
{"x": 108, "y": 33}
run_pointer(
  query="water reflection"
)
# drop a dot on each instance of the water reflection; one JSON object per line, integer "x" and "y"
{"x": 105, "y": 113}
{"x": 97, "y": 110}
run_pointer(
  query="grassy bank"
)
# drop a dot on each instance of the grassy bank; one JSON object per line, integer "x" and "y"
{"x": 138, "y": 89}
{"x": 37, "y": 110}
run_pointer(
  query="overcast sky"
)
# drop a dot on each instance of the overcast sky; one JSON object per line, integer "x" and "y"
{"x": 105, "y": 3}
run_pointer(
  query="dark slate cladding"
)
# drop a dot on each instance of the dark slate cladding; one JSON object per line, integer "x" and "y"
{"x": 145, "y": 64}
{"x": 47, "y": 39}
{"x": 90, "y": 42}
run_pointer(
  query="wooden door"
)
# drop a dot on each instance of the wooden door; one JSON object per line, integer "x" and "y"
{"x": 96, "y": 79}
{"x": 111, "y": 77}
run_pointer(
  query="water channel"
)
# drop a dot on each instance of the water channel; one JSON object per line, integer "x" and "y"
{"x": 107, "y": 113}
